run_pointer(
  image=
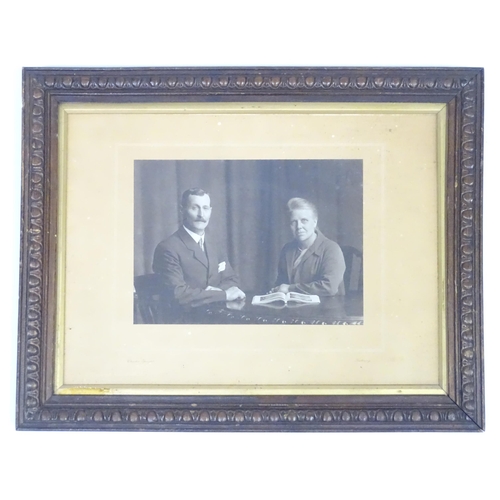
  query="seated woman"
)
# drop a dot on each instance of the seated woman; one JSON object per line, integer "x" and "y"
{"x": 311, "y": 263}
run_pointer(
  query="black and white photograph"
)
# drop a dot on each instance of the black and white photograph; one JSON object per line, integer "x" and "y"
{"x": 248, "y": 241}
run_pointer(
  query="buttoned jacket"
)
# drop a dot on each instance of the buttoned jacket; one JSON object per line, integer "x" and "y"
{"x": 319, "y": 272}
{"x": 186, "y": 270}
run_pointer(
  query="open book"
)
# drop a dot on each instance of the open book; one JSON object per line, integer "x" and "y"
{"x": 299, "y": 298}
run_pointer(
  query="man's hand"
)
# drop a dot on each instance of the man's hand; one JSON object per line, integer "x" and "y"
{"x": 234, "y": 293}
{"x": 282, "y": 288}
{"x": 235, "y": 305}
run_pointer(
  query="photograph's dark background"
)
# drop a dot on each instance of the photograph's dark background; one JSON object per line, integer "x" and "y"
{"x": 249, "y": 215}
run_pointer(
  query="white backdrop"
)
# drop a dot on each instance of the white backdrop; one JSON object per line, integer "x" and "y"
{"x": 270, "y": 33}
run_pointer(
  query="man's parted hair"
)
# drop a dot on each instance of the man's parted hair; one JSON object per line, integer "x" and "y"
{"x": 302, "y": 204}
{"x": 191, "y": 192}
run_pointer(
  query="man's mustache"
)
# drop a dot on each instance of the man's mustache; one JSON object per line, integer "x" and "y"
{"x": 200, "y": 220}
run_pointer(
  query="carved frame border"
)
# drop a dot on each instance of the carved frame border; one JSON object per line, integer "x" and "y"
{"x": 462, "y": 410}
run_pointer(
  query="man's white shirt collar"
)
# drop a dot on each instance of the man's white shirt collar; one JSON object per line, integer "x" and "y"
{"x": 196, "y": 237}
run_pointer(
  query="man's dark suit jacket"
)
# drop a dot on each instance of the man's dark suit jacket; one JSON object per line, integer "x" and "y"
{"x": 320, "y": 272}
{"x": 186, "y": 270}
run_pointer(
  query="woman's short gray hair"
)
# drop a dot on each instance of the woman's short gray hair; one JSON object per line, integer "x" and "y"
{"x": 302, "y": 204}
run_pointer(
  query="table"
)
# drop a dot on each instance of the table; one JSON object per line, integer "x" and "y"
{"x": 338, "y": 310}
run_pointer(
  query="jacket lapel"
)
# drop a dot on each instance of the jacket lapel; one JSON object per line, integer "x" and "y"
{"x": 213, "y": 263}
{"x": 290, "y": 257}
{"x": 198, "y": 253}
{"x": 313, "y": 249}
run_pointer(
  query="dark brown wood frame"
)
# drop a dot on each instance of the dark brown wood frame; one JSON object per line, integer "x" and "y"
{"x": 461, "y": 410}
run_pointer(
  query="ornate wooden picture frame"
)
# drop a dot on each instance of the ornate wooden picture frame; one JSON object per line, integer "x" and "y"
{"x": 62, "y": 379}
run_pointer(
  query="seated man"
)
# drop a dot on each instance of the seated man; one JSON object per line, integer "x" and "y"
{"x": 311, "y": 263}
{"x": 193, "y": 268}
